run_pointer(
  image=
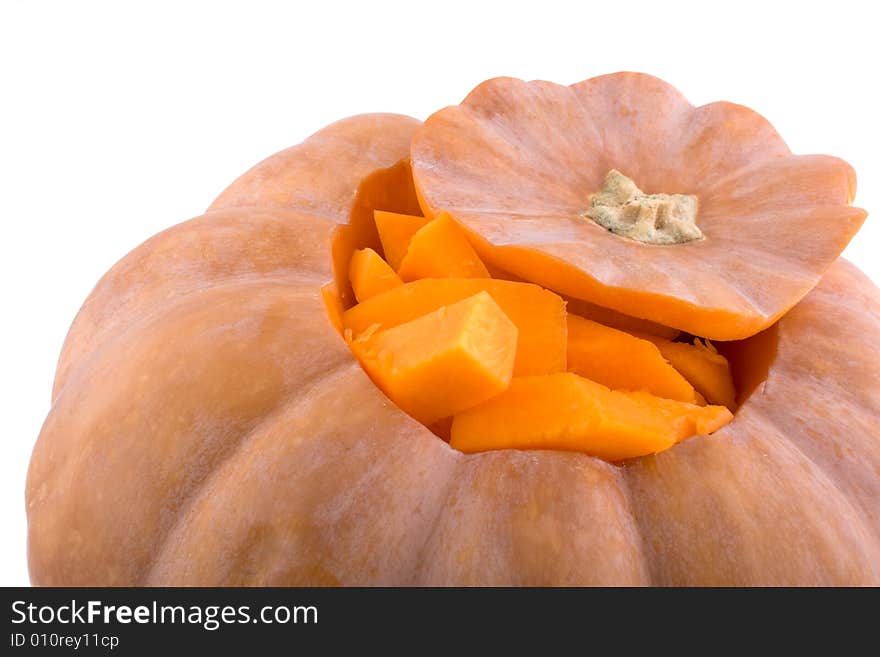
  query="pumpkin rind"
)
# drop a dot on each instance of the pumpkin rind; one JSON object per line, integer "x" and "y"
{"x": 259, "y": 270}
{"x": 209, "y": 426}
{"x": 517, "y": 161}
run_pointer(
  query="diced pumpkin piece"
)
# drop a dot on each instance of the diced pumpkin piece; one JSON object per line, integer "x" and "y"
{"x": 702, "y": 365}
{"x": 569, "y": 412}
{"x": 617, "y": 320}
{"x": 395, "y": 232}
{"x": 440, "y": 250}
{"x": 537, "y": 313}
{"x": 444, "y": 362}
{"x": 701, "y": 419}
{"x": 622, "y": 361}
{"x": 370, "y": 275}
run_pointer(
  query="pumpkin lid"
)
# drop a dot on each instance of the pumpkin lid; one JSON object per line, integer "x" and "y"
{"x": 618, "y": 191}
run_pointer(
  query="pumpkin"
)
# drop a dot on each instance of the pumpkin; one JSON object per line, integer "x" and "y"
{"x": 214, "y": 421}
{"x": 517, "y": 161}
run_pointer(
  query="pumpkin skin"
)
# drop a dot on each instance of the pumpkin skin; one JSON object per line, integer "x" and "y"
{"x": 210, "y": 427}
{"x": 516, "y": 163}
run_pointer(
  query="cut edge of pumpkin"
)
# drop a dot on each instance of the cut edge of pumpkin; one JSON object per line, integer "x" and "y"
{"x": 712, "y": 323}
{"x": 750, "y": 358}
{"x": 568, "y": 281}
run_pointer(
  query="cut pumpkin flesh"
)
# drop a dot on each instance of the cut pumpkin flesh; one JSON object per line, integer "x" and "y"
{"x": 486, "y": 363}
{"x": 370, "y": 275}
{"x": 395, "y": 232}
{"x": 569, "y": 412}
{"x": 703, "y": 366}
{"x": 537, "y": 313}
{"x": 618, "y": 320}
{"x": 622, "y": 361}
{"x": 440, "y": 250}
{"x": 444, "y": 362}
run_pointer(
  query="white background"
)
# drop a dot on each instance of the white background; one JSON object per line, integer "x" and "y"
{"x": 118, "y": 121}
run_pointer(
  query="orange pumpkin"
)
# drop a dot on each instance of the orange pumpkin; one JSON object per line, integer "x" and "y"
{"x": 211, "y": 426}
{"x": 516, "y": 162}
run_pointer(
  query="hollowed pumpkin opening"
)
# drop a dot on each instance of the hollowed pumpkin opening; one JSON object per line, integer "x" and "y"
{"x": 487, "y": 360}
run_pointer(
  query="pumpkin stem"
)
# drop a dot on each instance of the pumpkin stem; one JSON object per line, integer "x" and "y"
{"x": 625, "y": 210}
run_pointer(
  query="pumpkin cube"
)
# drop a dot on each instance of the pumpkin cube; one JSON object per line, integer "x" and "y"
{"x": 395, "y": 232}
{"x": 370, "y": 275}
{"x": 622, "y": 361}
{"x": 444, "y": 362}
{"x": 440, "y": 250}
{"x": 569, "y": 412}
{"x": 702, "y": 365}
{"x": 538, "y": 314}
